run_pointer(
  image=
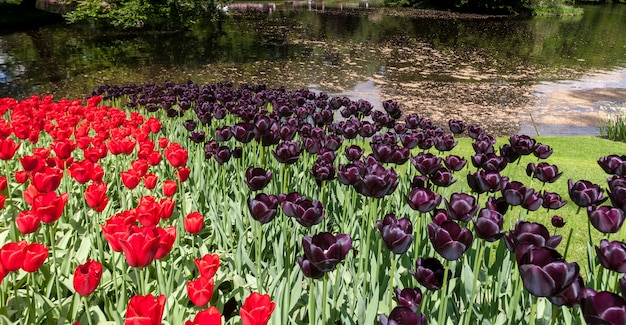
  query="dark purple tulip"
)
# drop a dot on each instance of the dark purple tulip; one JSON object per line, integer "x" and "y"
{"x": 498, "y": 204}
{"x": 530, "y": 234}
{"x": 617, "y": 192}
{"x": 429, "y": 272}
{"x": 612, "y": 255}
{"x": 223, "y": 133}
{"x": 237, "y": 152}
{"x": 461, "y": 206}
{"x": 449, "y": 239}
{"x": 532, "y": 200}
{"x": 440, "y": 215}
{"x": 312, "y": 145}
{"x": 426, "y": 163}
{"x": 474, "y": 131}
{"x": 243, "y": 132}
{"x": 514, "y": 192}
{"x": 396, "y": 233}
{"x": 456, "y": 126}
{"x": 603, "y": 308}
{"x": 287, "y": 152}
{"x": 382, "y": 151}
{"x": 509, "y": 153}
{"x": 542, "y": 151}
{"x": 409, "y": 140}
{"x": 308, "y": 269}
{"x": 190, "y": 125}
{"x": 376, "y": 181}
{"x": 485, "y": 181}
{"x": 367, "y": 129}
{"x": 545, "y": 273}
{"x": 400, "y": 128}
{"x": 442, "y": 177}
{"x": 350, "y": 130}
{"x": 257, "y": 178}
{"x": 483, "y": 146}
{"x": 263, "y": 207}
{"x": 425, "y": 143}
{"x": 412, "y": 121}
{"x": 323, "y": 171}
{"x": 454, "y": 162}
{"x": 544, "y": 172}
{"x": 353, "y": 152}
{"x": 348, "y": 174}
{"x": 613, "y": 164}
{"x": 222, "y": 155}
{"x": 622, "y": 286}
{"x": 489, "y": 161}
{"x": 419, "y": 181}
{"x": 557, "y": 221}
{"x": 286, "y": 132}
{"x": 326, "y": 250}
{"x": 552, "y": 201}
{"x": 445, "y": 143}
{"x": 400, "y": 155}
{"x": 571, "y": 295}
{"x": 197, "y": 136}
{"x": 523, "y": 144}
{"x": 402, "y": 315}
{"x": 488, "y": 225}
{"x": 332, "y": 142}
{"x": 409, "y": 297}
{"x": 392, "y": 108}
{"x": 423, "y": 199}
{"x": 606, "y": 219}
{"x": 306, "y": 212}
{"x": 326, "y": 155}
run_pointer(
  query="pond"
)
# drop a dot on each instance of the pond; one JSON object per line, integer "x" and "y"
{"x": 540, "y": 75}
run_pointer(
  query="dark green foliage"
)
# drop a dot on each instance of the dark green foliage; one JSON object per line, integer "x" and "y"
{"x": 159, "y": 14}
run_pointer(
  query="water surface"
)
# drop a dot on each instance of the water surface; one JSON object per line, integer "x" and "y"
{"x": 494, "y": 71}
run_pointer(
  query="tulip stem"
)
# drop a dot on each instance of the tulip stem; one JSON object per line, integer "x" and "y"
{"x": 86, "y": 302}
{"x": 52, "y": 231}
{"x": 259, "y": 258}
{"x": 392, "y": 276}
{"x": 533, "y": 311}
{"x": 444, "y": 294}
{"x": 312, "y": 315}
{"x": 477, "y": 265}
{"x": 325, "y": 298}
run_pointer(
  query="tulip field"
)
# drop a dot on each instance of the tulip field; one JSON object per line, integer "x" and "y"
{"x": 239, "y": 204}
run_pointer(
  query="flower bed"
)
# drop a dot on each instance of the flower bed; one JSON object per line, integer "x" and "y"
{"x": 220, "y": 204}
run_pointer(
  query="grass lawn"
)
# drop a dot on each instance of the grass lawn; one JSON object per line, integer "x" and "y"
{"x": 577, "y": 158}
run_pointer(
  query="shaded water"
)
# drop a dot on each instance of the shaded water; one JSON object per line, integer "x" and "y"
{"x": 484, "y": 70}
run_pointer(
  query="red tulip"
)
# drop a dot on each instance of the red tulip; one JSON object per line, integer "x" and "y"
{"x": 63, "y": 148}
{"x": 122, "y": 145}
{"x": 148, "y": 211}
{"x": 209, "y": 316}
{"x": 35, "y": 255}
{"x": 3, "y": 183}
{"x": 150, "y": 180}
{"x": 200, "y": 290}
{"x": 256, "y": 309}
{"x": 141, "y": 167}
{"x": 145, "y": 310}
{"x": 169, "y": 187}
{"x": 81, "y": 171}
{"x": 167, "y": 207}
{"x": 12, "y": 255}
{"x": 8, "y": 147}
{"x": 27, "y": 222}
{"x": 208, "y": 265}
{"x": 2, "y": 200}
{"x": 130, "y": 178}
{"x": 87, "y": 277}
{"x": 48, "y": 180}
{"x": 176, "y": 155}
{"x": 163, "y": 142}
{"x": 96, "y": 196}
{"x": 21, "y": 176}
{"x": 49, "y": 206}
{"x": 32, "y": 163}
{"x": 167, "y": 237}
{"x": 115, "y": 228}
{"x": 140, "y": 246}
{"x": 183, "y": 173}
{"x": 194, "y": 222}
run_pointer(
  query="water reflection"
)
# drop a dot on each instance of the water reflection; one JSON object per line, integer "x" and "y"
{"x": 479, "y": 69}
